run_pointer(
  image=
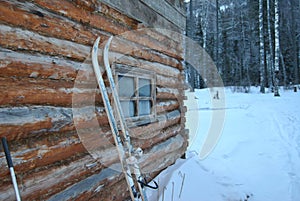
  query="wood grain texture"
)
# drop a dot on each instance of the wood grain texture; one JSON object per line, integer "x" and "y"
{"x": 51, "y": 111}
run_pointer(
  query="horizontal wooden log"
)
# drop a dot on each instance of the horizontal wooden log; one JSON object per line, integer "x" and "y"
{"x": 165, "y": 106}
{"x": 163, "y": 121}
{"x": 168, "y": 82}
{"x": 45, "y": 92}
{"x": 140, "y": 135}
{"x": 94, "y": 17}
{"x": 185, "y": 135}
{"x": 48, "y": 67}
{"x": 147, "y": 38}
{"x": 40, "y": 185}
{"x": 171, "y": 12}
{"x": 96, "y": 184}
{"x": 126, "y": 47}
{"x": 134, "y": 8}
{"x": 18, "y": 39}
{"x": 173, "y": 40}
{"x": 97, "y": 6}
{"x": 38, "y": 66}
{"x": 151, "y": 66}
{"x": 31, "y": 17}
{"x": 162, "y": 135}
{"x": 18, "y": 123}
{"x": 160, "y": 155}
{"x": 117, "y": 191}
{"x": 40, "y": 151}
{"x": 24, "y": 122}
{"x": 167, "y": 93}
{"x": 46, "y": 150}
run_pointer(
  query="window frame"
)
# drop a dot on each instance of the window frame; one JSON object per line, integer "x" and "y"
{"x": 137, "y": 74}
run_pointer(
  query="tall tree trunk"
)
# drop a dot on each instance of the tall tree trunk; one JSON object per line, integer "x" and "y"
{"x": 204, "y": 25}
{"x": 297, "y": 67}
{"x": 277, "y": 49}
{"x": 293, "y": 31}
{"x": 261, "y": 47}
{"x": 270, "y": 57}
{"x": 217, "y": 37}
{"x": 244, "y": 57}
{"x": 298, "y": 38}
{"x": 270, "y": 69}
{"x": 285, "y": 81}
{"x": 191, "y": 72}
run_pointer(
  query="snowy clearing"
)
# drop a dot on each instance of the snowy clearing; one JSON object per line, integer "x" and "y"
{"x": 256, "y": 159}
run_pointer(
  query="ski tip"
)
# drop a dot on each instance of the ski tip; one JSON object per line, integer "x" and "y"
{"x": 105, "y": 53}
{"x": 96, "y": 44}
{"x": 108, "y": 43}
{"x": 95, "y": 54}
{"x": 110, "y": 39}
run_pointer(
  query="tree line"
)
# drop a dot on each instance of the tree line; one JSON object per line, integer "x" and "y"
{"x": 253, "y": 43}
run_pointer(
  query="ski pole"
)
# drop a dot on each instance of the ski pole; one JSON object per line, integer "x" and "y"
{"x": 11, "y": 168}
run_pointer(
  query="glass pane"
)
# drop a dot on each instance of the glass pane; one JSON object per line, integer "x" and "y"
{"x": 144, "y": 87}
{"x": 144, "y": 107}
{"x": 126, "y": 86}
{"x": 128, "y": 108}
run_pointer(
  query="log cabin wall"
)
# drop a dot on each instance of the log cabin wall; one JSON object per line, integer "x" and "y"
{"x": 44, "y": 46}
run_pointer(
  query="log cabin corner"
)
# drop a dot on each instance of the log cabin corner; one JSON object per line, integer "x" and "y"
{"x": 44, "y": 51}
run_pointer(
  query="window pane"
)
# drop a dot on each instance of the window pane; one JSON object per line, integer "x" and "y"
{"x": 144, "y": 107}
{"x": 126, "y": 86}
{"x": 144, "y": 87}
{"x": 128, "y": 108}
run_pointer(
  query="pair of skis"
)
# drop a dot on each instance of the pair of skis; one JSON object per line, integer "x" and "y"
{"x": 126, "y": 153}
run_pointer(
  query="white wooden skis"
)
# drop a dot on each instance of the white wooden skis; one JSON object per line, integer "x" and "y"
{"x": 128, "y": 161}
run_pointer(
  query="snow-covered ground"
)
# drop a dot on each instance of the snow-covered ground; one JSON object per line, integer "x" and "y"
{"x": 257, "y": 157}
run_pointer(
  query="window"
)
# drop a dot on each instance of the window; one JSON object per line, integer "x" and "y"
{"x": 136, "y": 89}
